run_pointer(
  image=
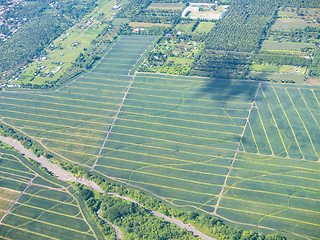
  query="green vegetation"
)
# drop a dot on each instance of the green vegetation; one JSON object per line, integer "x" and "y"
{"x": 204, "y": 27}
{"x": 45, "y": 24}
{"x": 177, "y": 136}
{"x": 40, "y": 205}
{"x": 134, "y": 221}
{"x": 73, "y": 52}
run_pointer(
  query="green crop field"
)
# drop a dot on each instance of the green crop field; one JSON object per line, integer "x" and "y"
{"x": 35, "y": 205}
{"x": 242, "y": 150}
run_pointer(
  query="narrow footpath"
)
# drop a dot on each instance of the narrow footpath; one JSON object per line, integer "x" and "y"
{"x": 66, "y": 176}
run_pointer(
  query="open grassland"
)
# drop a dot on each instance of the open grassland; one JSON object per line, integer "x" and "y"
{"x": 35, "y": 205}
{"x": 72, "y": 121}
{"x": 285, "y": 24}
{"x": 204, "y": 27}
{"x": 243, "y": 150}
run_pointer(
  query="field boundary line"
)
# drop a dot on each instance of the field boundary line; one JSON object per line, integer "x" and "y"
{"x": 16, "y": 200}
{"x": 13, "y": 169}
{"x": 61, "y": 133}
{"x": 68, "y": 142}
{"x": 236, "y": 152}
{"x": 190, "y": 113}
{"x": 187, "y": 120}
{"x": 163, "y": 176}
{"x": 172, "y": 150}
{"x": 185, "y": 105}
{"x": 55, "y": 110}
{"x": 304, "y": 126}
{"x": 253, "y": 137}
{"x": 181, "y": 200}
{"x": 166, "y": 140}
{"x": 176, "y": 134}
{"x": 199, "y": 83}
{"x": 28, "y": 231}
{"x": 265, "y": 132}
{"x": 285, "y": 114}
{"x": 47, "y": 210}
{"x": 189, "y": 162}
{"x": 94, "y": 89}
{"x": 113, "y": 122}
{"x": 192, "y": 206}
{"x": 270, "y": 204}
{"x": 173, "y": 75}
{"x": 270, "y": 216}
{"x": 107, "y": 79}
{"x": 275, "y": 193}
{"x": 26, "y": 180}
{"x": 54, "y": 103}
{"x": 163, "y": 186}
{"x": 275, "y": 122}
{"x": 102, "y": 84}
{"x": 205, "y": 100}
{"x": 52, "y": 124}
{"x": 305, "y": 102}
{"x": 52, "y": 200}
{"x": 69, "y": 119}
{"x": 51, "y": 224}
{"x": 74, "y": 80}
{"x": 75, "y": 99}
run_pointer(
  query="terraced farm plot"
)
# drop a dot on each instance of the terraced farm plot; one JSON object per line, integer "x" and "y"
{"x": 34, "y": 205}
{"x": 176, "y": 136}
{"x": 72, "y": 121}
{"x": 285, "y": 122}
{"x": 242, "y": 150}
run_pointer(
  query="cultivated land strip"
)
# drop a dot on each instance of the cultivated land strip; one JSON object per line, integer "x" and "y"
{"x": 112, "y": 123}
{"x": 236, "y": 152}
{"x": 65, "y": 176}
{"x": 152, "y": 108}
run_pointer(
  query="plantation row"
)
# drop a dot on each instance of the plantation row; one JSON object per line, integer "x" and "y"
{"x": 72, "y": 122}
{"x": 284, "y": 122}
{"x": 44, "y": 209}
{"x": 278, "y": 193}
{"x": 175, "y": 136}
{"x": 178, "y": 137}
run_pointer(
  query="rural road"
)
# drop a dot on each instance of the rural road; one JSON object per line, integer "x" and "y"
{"x": 66, "y": 176}
{"x": 118, "y": 232}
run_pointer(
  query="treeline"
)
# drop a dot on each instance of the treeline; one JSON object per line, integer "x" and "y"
{"x": 30, "y": 40}
{"x": 235, "y": 38}
{"x": 280, "y": 58}
{"x": 154, "y": 30}
{"x": 133, "y": 8}
{"x": 46, "y": 23}
{"x": 300, "y": 3}
{"x": 157, "y": 16}
{"x": 207, "y": 224}
{"x": 244, "y": 26}
{"x": 221, "y": 64}
{"x": 84, "y": 61}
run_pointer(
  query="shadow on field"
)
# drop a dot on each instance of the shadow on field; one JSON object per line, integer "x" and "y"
{"x": 226, "y": 72}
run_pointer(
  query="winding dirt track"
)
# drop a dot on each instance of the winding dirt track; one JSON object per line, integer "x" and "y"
{"x": 66, "y": 176}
